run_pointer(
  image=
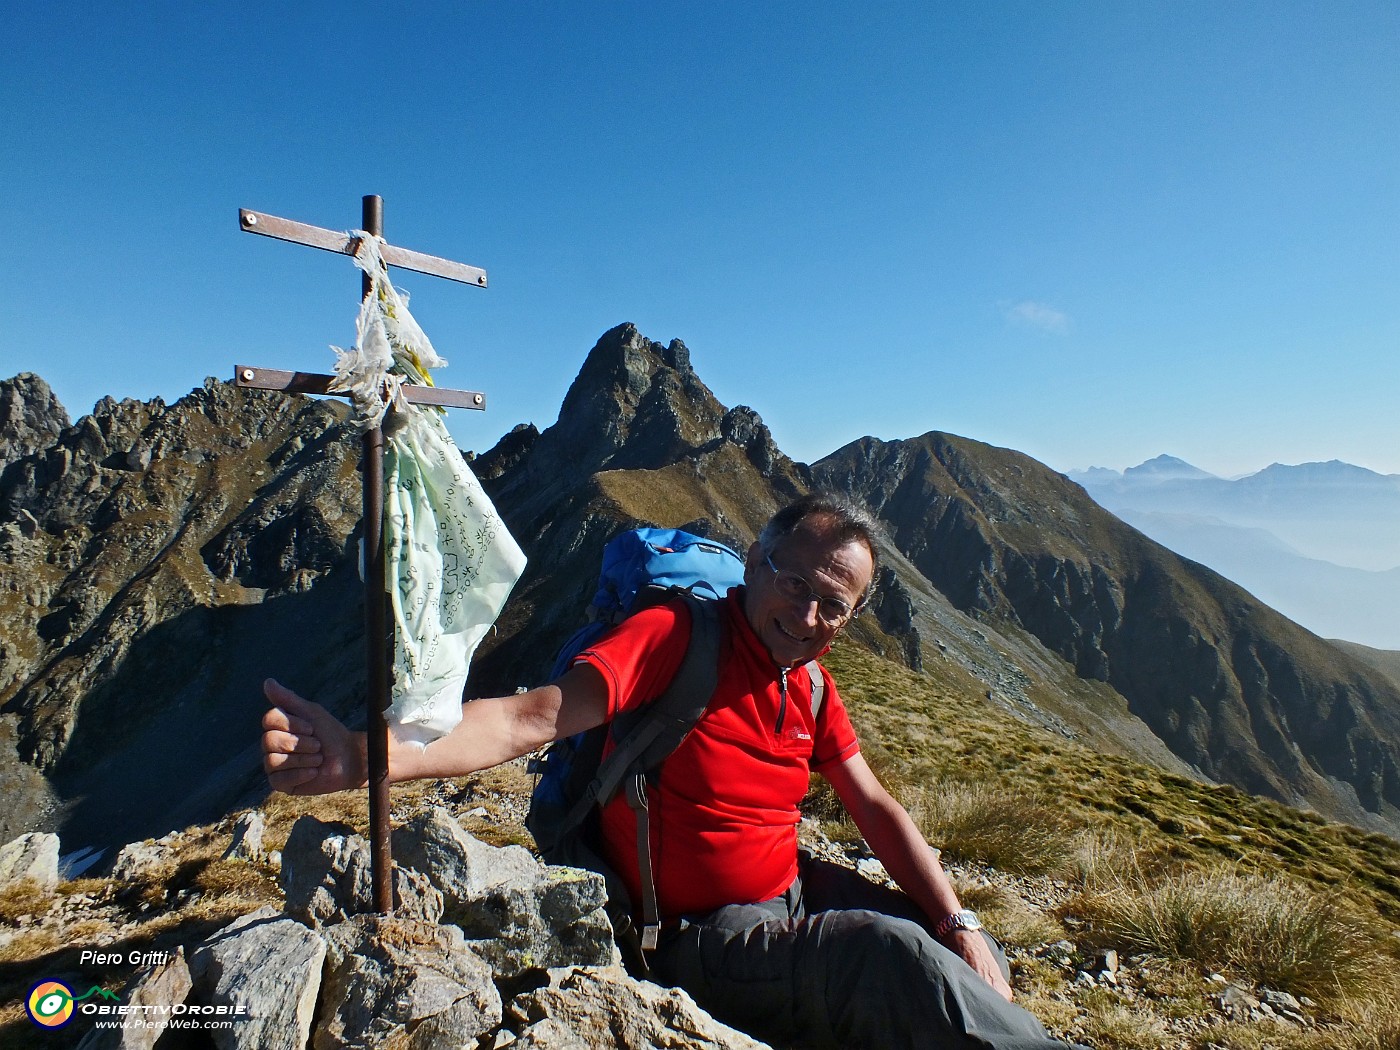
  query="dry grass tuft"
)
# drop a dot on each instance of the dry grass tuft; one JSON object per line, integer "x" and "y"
{"x": 31, "y": 944}
{"x": 1277, "y": 932}
{"x": 1372, "y": 1023}
{"x": 823, "y": 805}
{"x": 989, "y": 823}
{"x": 1101, "y": 855}
{"x": 237, "y": 881}
{"x": 25, "y": 897}
{"x": 282, "y": 811}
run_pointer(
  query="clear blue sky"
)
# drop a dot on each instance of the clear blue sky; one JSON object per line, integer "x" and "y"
{"x": 1092, "y": 231}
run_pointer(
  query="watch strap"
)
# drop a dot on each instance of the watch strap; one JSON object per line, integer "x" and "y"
{"x": 966, "y": 919}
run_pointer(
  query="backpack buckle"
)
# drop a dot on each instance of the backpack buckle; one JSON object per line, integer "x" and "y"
{"x": 651, "y": 935}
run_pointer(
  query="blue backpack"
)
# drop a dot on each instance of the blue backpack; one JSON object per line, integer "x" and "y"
{"x": 640, "y": 568}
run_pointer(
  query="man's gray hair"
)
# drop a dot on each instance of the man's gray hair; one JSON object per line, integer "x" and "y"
{"x": 846, "y": 521}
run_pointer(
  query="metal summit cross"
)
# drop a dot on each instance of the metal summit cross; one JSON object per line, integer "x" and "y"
{"x": 377, "y": 637}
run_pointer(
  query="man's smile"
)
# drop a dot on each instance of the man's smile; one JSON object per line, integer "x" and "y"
{"x": 801, "y": 638}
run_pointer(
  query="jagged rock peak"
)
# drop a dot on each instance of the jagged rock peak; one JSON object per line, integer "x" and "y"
{"x": 625, "y": 338}
{"x": 31, "y": 417}
{"x": 634, "y": 403}
{"x": 622, "y": 354}
{"x": 744, "y": 427}
{"x": 505, "y": 454}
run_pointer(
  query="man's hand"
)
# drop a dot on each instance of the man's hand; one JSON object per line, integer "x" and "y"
{"x": 306, "y": 750}
{"x": 974, "y": 950}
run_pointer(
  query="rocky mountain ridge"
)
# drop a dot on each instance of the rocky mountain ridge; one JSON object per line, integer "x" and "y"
{"x": 162, "y": 559}
{"x": 159, "y": 559}
{"x": 1219, "y": 677}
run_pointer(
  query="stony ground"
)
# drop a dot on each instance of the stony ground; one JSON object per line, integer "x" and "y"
{"x": 1096, "y": 996}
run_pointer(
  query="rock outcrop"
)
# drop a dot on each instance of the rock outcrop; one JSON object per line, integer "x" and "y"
{"x": 511, "y": 968}
{"x": 33, "y": 857}
{"x": 31, "y": 417}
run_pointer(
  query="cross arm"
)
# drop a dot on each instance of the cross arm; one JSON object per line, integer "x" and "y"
{"x": 319, "y": 383}
{"x": 333, "y": 241}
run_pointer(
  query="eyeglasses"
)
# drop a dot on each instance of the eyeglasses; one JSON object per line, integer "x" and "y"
{"x": 832, "y": 611}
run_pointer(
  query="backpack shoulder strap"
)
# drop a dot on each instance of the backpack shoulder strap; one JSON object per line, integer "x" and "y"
{"x": 664, "y": 722}
{"x": 814, "y": 672}
{"x": 668, "y": 719}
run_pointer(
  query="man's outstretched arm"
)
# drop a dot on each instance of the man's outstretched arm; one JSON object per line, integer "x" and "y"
{"x": 307, "y": 751}
{"x": 897, "y": 842}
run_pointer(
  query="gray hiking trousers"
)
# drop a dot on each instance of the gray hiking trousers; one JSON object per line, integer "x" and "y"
{"x": 840, "y": 962}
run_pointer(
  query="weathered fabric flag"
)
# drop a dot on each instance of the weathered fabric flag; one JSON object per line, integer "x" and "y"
{"x": 451, "y": 563}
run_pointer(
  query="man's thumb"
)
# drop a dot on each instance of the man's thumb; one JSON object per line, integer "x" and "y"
{"x": 280, "y": 696}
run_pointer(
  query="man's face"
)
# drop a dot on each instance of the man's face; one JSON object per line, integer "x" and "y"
{"x": 792, "y": 629}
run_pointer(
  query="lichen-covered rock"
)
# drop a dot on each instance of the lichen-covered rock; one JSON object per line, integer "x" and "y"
{"x": 605, "y": 1007}
{"x": 553, "y": 918}
{"x": 520, "y": 915}
{"x": 386, "y": 977}
{"x": 326, "y": 876}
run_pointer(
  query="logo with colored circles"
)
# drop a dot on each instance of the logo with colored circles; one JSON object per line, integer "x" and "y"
{"x": 50, "y": 1004}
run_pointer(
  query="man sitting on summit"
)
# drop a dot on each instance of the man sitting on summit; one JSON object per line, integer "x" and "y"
{"x": 765, "y": 938}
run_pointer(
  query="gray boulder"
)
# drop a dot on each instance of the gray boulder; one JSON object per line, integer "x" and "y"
{"x": 326, "y": 877}
{"x": 162, "y": 987}
{"x": 268, "y": 967}
{"x": 459, "y": 865}
{"x": 33, "y": 856}
{"x": 387, "y": 978}
{"x": 520, "y": 915}
{"x": 605, "y": 1007}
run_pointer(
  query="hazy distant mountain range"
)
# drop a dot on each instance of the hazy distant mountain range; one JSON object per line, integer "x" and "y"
{"x": 1320, "y": 542}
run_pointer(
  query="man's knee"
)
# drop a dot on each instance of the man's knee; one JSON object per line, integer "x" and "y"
{"x": 874, "y": 950}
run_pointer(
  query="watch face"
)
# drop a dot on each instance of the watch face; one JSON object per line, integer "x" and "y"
{"x": 959, "y": 920}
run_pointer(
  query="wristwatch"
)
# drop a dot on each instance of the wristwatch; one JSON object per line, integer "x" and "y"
{"x": 959, "y": 920}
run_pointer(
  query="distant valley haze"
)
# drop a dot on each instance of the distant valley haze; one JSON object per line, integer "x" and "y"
{"x": 1319, "y": 542}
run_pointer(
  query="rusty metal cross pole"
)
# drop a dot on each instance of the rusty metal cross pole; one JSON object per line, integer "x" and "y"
{"x": 378, "y": 640}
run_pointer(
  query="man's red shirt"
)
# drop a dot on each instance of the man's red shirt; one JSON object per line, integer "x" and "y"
{"x": 724, "y": 814}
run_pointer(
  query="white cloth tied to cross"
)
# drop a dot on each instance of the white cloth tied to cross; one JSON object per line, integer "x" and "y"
{"x": 451, "y": 563}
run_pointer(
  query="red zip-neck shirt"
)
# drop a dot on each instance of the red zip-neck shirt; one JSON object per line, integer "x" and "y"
{"x": 724, "y": 813}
